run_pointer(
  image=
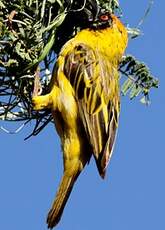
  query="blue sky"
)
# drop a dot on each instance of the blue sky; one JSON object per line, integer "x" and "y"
{"x": 133, "y": 194}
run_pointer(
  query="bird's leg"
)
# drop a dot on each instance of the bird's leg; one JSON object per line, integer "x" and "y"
{"x": 48, "y": 101}
{"x": 41, "y": 102}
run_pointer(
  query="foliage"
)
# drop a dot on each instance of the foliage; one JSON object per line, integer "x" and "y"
{"x": 31, "y": 34}
{"x": 139, "y": 79}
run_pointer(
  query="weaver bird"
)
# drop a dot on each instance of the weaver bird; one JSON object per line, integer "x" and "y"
{"x": 84, "y": 99}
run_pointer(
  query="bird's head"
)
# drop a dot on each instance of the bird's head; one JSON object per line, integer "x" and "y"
{"x": 92, "y": 15}
{"x": 102, "y": 19}
{"x": 89, "y": 14}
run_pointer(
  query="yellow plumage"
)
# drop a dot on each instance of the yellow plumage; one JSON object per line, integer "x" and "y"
{"x": 84, "y": 100}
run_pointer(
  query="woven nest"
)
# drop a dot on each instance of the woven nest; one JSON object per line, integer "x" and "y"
{"x": 31, "y": 35}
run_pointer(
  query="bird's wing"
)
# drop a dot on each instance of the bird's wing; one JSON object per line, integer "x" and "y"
{"x": 95, "y": 82}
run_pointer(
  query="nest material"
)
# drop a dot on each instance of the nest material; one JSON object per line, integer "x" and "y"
{"x": 31, "y": 34}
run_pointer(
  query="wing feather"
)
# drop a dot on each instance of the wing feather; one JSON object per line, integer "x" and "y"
{"x": 95, "y": 82}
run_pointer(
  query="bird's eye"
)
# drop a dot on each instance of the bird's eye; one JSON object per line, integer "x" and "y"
{"x": 104, "y": 17}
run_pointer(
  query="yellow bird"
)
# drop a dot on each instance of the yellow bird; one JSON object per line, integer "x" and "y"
{"x": 84, "y": 99}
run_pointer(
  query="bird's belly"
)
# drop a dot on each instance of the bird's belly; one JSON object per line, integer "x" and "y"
{"x": 74, "y": 144}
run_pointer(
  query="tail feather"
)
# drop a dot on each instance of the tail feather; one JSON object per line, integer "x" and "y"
{"x": 62, "y": 196}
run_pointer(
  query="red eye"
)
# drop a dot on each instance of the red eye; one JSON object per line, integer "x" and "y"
{"x": 104, "y": 17}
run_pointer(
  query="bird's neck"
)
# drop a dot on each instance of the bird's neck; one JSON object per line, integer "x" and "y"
{"x": 110, "y": 41}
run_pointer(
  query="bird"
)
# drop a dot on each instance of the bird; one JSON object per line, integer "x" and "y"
{"x": 84, "y": 99}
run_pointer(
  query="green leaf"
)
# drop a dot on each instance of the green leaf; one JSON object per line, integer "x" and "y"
{"x": 139, "y": 78}
{"x": 135, "y": 91}
{"x": 145, "y": 100}
{"x": 126, "y": 86}
{"x": 56, "y": 22}
{"x": 2, "y": 5}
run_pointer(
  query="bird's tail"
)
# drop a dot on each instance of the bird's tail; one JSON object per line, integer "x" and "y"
{"x": 62, "y": 196}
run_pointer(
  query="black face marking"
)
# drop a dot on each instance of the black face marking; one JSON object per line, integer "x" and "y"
{"x": 102, "y": 20}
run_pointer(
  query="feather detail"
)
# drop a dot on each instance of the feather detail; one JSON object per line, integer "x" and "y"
{"x": 95, "y": 82}
{"x": 62, "y": 196}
